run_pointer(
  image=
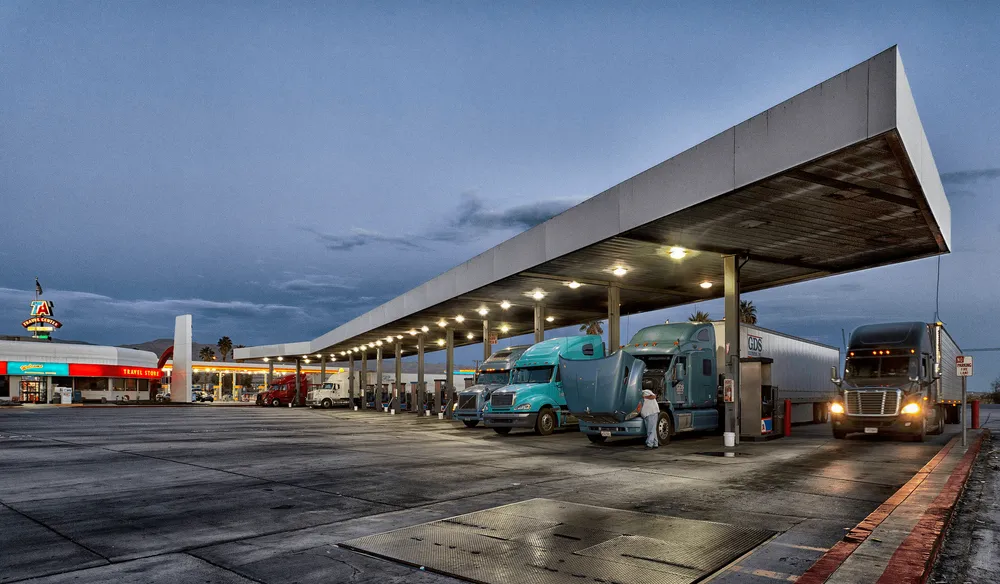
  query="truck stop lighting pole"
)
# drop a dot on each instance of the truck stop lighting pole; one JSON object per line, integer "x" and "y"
{"x": 421, "y": 394}
{"x": 614, "y": 317}
{"x": 731, "y": 269}
{"x": 377, "y": 397}
{"x": 449, "y": 375}
{"x": 399, "y": 388}
{"x": 539, "y": 322}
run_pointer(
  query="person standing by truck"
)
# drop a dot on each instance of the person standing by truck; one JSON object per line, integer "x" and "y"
{"x": 650, "y": 412}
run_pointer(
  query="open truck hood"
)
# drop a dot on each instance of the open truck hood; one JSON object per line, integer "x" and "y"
{"x": 602, "y": 389}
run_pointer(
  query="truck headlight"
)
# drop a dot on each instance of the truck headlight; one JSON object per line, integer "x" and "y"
{"x": 836, "y": 408}
{"x": 524, "y": 406}
{"x": 911, "y": 409}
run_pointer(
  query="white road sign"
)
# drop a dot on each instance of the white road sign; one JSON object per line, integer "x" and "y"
{"x": 963, "y": 363}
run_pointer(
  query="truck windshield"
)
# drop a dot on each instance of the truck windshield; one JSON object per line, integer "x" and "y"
{"x": 880, "y": 367}
{"x": 493, "y": 378}
{"x": 532, "y": 375}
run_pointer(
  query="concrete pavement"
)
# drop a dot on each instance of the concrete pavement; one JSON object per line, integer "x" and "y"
{"x": 265, "y": 495}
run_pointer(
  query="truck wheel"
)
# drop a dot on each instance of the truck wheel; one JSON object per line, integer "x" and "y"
{"x": 663, "y": 428}
{"x": 327, "y": 404}
{"x": 939, "y": 419}
{"x": 596, "y": 438}
{"x": 276, "y": 402}
{"x": 839, "y": 434}
{"x": 471, "y": 423}
{"x": 502, "y": 431}
{"x": 546, "y": 422}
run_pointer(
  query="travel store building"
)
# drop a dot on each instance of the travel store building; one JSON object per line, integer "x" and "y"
{"x": 44, "y": 371}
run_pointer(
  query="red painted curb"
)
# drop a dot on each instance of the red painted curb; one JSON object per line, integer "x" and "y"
{"x": 819, "y": 572}
{"x": 913, "y": 559}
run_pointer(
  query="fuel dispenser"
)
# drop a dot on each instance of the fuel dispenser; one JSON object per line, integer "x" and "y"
{"x": 758, "y": 400}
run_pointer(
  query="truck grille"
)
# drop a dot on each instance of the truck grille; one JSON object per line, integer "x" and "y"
{"x": 872, "y": 403}
{"x": 468, "y": 401}
{"x": 503, "y": 400}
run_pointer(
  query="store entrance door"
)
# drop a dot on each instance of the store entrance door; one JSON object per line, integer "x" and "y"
{"x": 32, "y": 390}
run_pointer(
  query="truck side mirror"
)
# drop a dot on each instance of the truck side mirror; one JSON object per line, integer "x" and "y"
{"x": 834, "y": 377}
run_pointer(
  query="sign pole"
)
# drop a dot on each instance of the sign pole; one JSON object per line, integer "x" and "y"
{"x": 964, "y": 424}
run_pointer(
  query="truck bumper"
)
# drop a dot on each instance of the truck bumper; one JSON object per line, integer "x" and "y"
{"x": 633, "y": 427}
{"x": 903, "y": 424}
{"x": 467, "y": 415}
{"x": 511, "y": 420}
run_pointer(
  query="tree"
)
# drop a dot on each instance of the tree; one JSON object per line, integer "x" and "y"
{"x": 700, "y": 317}
{"x": 748, "y": 312}
{"x": 995, "y": 391}
{"x": 225, "y": 345}
{"x": 206, "y": 354}
{"x": 593, "y": 327}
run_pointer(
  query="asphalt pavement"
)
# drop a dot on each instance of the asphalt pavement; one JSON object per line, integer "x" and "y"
{"x": 267, "y": 494}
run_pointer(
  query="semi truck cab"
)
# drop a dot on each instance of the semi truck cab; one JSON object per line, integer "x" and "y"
{"x": 493, "y": 374}
{"x": 282, "y": 391}
{"x": 534, "y": 398}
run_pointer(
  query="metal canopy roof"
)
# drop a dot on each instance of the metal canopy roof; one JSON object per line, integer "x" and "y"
{"x": 836, "y": 179}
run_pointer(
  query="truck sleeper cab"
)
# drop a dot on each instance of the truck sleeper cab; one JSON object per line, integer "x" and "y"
{"x": 534, "y": 398}
{"x": 493, "y": 374}
{"x": 282, "y": 391}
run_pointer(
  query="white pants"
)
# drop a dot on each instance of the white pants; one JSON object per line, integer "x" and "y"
{"x": 652, "y": 440}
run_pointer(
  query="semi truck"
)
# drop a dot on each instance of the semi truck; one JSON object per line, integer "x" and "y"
{"x": 683, "y": 363}
{"x": 899, "y": 378}
{"x": 534, "y": 398}
{"x": 493, "y": 374}
{"x": 335, "y": 391}
{"x": 282, "y": 391}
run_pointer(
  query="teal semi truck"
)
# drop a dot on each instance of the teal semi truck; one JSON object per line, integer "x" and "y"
{"x": 493, "y": 374}
{"x": 534, "y": 399}
{"x": 682, "y": 364}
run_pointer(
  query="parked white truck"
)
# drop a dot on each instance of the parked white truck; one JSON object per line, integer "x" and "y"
{"x": 899, "y": 378}
{"x": 332, "y": 392}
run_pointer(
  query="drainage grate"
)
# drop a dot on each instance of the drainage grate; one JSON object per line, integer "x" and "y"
{"x": 551, "y": 542}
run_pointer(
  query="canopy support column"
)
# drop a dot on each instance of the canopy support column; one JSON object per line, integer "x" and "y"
{"x": 298, "y": 381}
{"x": 449, "y": 374}
{"x": 399, "y": 388}
{"x": 614, "y": 317}
{"x": 364, "y": 378}
{"x": 539, "y": 322}
{"x": 421, "y": 388}
{"x": 350, "y": 378}
{"x": 487, "y": 348}
{"x": 377, "y": 398}
{"x": 731, "y": 269}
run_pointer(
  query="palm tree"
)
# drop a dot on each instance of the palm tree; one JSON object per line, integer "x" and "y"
{"x": 748, "y": 312}
{"x": 225, "y": 345}
{"x": 593, "y": 327}
{"x": 700, "y": 317}
{"x": 206, "y": 354}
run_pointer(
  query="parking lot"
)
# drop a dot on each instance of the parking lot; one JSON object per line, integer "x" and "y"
{"x": 266, "y": 495}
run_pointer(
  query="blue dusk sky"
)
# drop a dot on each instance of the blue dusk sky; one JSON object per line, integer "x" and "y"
{"x": 276, "y": 169}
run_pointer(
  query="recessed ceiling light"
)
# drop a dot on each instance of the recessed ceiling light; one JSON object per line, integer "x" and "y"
{"x": 378, "y": 343}
{"x": 424, "y": 328}
{"x": 619, "y": 271}
{"x": 399, "y": 337}
{"x": 505, "y": 305}
{"x": 470, "y": 336}
{"x": 459, "y": 318}
{"x": 550, "y": 318}
{"x": 678, "y": 252}
{"x": 538, "y": 294}
{"x": 281, "y": 358}
{"x": 266, "y": 359}
{"x": 440, "y": 342}
{"x": 504, "y": 328}
{"x": 483, "y": 311}
{"x": 442, "y": 323}
{"x": 574, "y": 284}
{"x": 412, "y": 332}
{"x": 706, "y": 284}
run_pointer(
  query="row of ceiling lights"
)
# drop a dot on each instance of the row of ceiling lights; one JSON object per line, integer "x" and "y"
{"x": 536, "y": 294}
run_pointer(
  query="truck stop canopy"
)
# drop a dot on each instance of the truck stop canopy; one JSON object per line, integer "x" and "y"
{"x": 837, "y": 178}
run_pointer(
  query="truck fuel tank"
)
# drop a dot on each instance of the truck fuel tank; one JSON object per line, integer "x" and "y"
{"x": 607, "y": 389}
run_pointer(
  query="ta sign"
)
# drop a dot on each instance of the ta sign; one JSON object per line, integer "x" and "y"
{"x": 963, "y": 363}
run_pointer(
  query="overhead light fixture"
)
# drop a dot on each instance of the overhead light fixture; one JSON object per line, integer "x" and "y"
{"x": 342, "y": 353}
{"x": 412, "y": 332}
{"x": 459, "y": 318}
{"x": 706, "y": 284}
{"x": 281, "y": 358}
{"x": 378, "y": 343}
{"x": 318, "y": 356}
{"x": 442, "y": 323}
{"x": 574, "y": 284}
{"x": 678, "y": 252}
{"x": 538, "y": 294}
{"x": 398, "y": 337}
{"x": 440, "y": 342}
{"x": 550, "y": 318}
{"x": 390, "y": 338}
{"x": 424, "y": 328}
{"x": 504, "y": 328}
{"x": 307, "y": 360}
{"x": 305, "y": 356}
{"x": 505, "y": 305}
{"x": 266, "y": 359}
{"x": 483, "y": 311}
{"x": 619, "y": 271}
{"x": 470, "y": 336}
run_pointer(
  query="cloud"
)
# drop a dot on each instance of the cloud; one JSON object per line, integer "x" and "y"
{"x": 314, "y": 283}
{"x": 967, "y": 177}
{"x": 471, "y": 220}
